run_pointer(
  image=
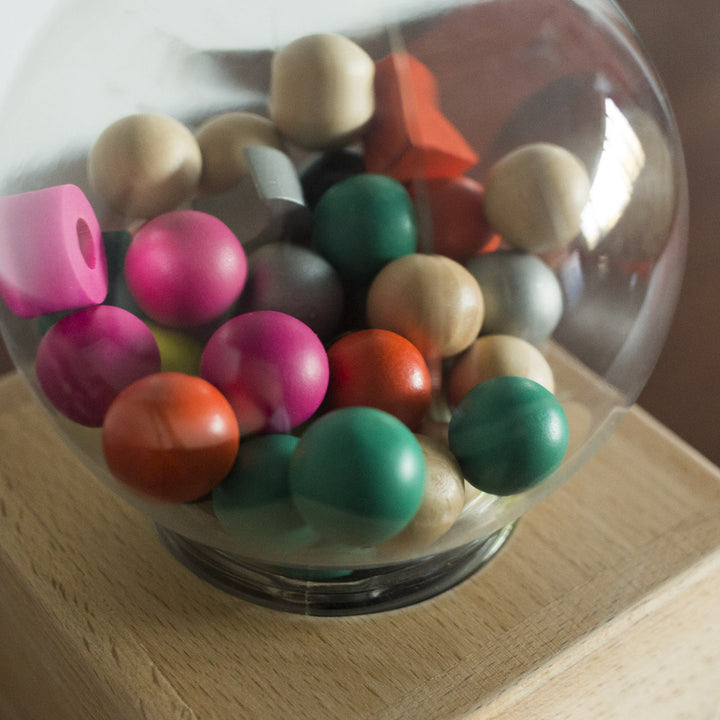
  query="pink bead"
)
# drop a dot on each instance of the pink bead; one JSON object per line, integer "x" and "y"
{"x": 270, "y": 366}
{"x": 51, "y": 253}
{"x": 185, "y": 268}
{"x": 88, "y": 357}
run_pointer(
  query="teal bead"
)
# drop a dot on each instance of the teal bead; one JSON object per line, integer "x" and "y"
{"x": 358, "y": 476}
{"x": 363, "y": 223}
{"x": 253, "y": 503}
{"x": 508, "y": 433}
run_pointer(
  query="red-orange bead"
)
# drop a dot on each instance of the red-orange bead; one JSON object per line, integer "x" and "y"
{"x": 170, "y": 437}
{"x": 380, "y": 369}
{"x": 458, "y": 227}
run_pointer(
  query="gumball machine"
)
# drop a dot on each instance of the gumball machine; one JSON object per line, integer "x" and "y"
{"x": 336, "y": 294}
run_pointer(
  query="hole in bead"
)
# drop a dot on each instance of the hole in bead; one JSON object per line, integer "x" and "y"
{"x": 85, "y": 243}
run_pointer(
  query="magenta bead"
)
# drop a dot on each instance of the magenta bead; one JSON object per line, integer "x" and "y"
{"x": 185, "y": 268}
{"x": 88, "y": 357}
{"x": 52, "y": 257}
{"x": 270, "y": 366}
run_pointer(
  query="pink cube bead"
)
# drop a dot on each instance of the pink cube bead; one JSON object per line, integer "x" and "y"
{"x": 52, "y": 257}
{"x": 88, "y": 357}
{"x": 185, "y": 268}
{"x": 270, "y": 366}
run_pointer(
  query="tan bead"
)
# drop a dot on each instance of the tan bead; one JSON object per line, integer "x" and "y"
{"x": 322, "y": 91}
{"x": 495, "y": 355}
{"x": 145, "y": 165}
{"x": 431, "y": 300}
{"x": 535, "y": 195}
{"x": 222, "y": 140}
{"x": 442, "y": 502}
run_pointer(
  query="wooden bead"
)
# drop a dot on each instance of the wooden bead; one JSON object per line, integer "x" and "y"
{"x": 522, "y": 295}
{"x": 535, "y": 195}
{"x": 451, "y": 212}
{"x": 357, "y": 476}
{"x": 508, "y": 434}
{"x": 291, "y": 279}
{"x": 409, "y": 137}
{"x": 222, "y": 140}
{"x": 495, "y": 355}
{"x": 442, "y": 502}
{"x": 321, "y": 91}
{"x": 362, "y": 223}
{"x": 144, "y": 165}
{"x": 380, "y": 369}
{"x": 253, "y": 503}
{"x": 431, "y": 300}
{"x": 86, "y": 358}
{"x": 170, "y": 437}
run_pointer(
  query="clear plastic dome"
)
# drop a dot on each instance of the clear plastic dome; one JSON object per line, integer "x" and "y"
{"x": 478, "y": 83}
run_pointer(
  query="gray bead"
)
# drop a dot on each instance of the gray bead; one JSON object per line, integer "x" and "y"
{"x": 292, "y": 279}
{"x": 521, "y": 293}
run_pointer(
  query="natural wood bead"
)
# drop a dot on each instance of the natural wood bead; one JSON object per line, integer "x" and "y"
{"x": 145, "y": 165}
{"x": 494, "y": 355}
{"x": 535, "y": 195}
{"x": 222, "y": 140}
{"x": 442, "y": 502}
{"x": 431, "y": 300}
{"x": 321, "y": 91}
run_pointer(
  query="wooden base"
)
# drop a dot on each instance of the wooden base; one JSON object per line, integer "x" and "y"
{"x": 603, "y": 604}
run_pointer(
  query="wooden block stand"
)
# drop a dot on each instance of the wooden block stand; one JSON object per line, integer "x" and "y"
{"x": 605, "y": 603}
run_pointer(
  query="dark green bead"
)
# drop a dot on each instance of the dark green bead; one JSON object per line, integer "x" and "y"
{"x": 363, "y": 223}
{"x": 508, "y": 433}
{"x": 358, "y": 476}
{"x": 253, "y": 502}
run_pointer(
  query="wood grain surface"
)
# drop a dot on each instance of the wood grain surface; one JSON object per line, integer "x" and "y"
{"x": 603, "y": 604}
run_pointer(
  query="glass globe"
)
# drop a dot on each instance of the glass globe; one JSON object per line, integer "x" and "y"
{"x": 530, "y": 148}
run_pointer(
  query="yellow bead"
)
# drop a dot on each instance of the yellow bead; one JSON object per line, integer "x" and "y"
{"x": 178, "y": 352}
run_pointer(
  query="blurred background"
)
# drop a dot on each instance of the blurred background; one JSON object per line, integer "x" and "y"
{"x": 682, "y": 40}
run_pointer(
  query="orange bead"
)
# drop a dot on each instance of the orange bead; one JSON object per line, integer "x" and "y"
{"x": 380, "y": 369}
{"x": 170, "y": 437}
{"x": 409, "y": 137}
{"x": 452, "y": 213}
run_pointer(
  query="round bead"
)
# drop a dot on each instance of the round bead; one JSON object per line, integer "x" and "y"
{"x": 495, "y": 355}
{"x": 522, "y": 295}
{"x": 272, "y": 368}
{"x": 455, "y": 211}
{"x": 86, "y": 358}
{"x": 222, "y": 140}
{"x": 442, "y": 502}
{"x": 297, "y": 281}
{"x": 144, "y": 165}
{"x": 357, "y": 476}
{"x": 508, "y": 434}
{"x": 535, "y": 195}
{"x": 321, "y": 91}
{"x": 363, "y": 223}
{"x": 185, "y": 268}
{"x": 328, "y": 170}
{"x": 51, "y": 252}
{"x": 179, "y": 352}
{"x": 253, "y": 503}
{"x": 170, "y": 437}
{"x": 431, "y": 300}
{"x": 380, "y": 369}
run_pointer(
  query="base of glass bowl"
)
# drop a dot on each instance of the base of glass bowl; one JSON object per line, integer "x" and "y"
{"x": 329, "y": 591}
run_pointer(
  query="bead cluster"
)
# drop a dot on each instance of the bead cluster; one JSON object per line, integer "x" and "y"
{"x": 300, "y": 379}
